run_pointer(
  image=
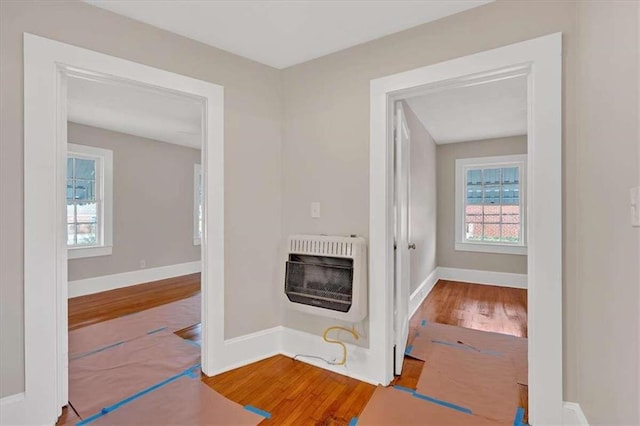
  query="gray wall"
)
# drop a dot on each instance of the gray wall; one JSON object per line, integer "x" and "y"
{"x": 423, "y": 200}
{"x": 326, "y": 146}
{"x": 152, "y": 203}
{"x": 447, "y": 255}
{"x": 253, "y": 126}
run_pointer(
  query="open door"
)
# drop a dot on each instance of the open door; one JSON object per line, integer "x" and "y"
{"x": 402, "y": 243}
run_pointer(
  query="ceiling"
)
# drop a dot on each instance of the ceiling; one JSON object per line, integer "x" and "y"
{"x": 484, "y": 111}
{"x": 135, "y": 110}
{"x": 286, "y": 32}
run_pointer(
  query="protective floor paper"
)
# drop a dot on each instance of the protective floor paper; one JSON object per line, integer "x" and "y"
{"x": 172, "y": 316}
{"x": 513, "y": 348}
{"x": 484, "y": 383}
{"x": 185, "y": 401}
{"x": 389, "y": 406}
{"x": 104, "y": 378}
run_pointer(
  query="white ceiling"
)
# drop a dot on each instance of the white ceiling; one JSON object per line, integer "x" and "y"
{"x": 138, "y": 111}
{"x": 484, "y": 111}
{"x": 286, "y": 32}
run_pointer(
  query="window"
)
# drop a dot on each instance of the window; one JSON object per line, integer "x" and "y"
{"x": 197, "y": 204}
{"x": 490, "y": 204}
{"x": 89, "y": 201}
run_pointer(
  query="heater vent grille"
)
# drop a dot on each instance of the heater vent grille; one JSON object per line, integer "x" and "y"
{"x": 327, "y": 276}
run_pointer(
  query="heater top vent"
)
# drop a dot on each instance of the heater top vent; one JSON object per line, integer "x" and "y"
{"x": 326, "y": 245}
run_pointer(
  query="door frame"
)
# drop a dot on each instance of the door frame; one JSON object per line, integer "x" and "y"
{"x": 540, "y": 60}
{"x": 46, "y": 64}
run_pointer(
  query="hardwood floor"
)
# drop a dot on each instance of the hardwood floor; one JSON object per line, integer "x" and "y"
{"x": 295, "y": 392}
{"x": 94, "y": 308}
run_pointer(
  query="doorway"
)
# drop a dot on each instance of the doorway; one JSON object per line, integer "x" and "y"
{"x": 47, "y": 67}
{"x": 539, "y": 60}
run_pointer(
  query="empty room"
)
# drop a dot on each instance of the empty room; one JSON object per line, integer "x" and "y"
{"x": 319, "y": 212}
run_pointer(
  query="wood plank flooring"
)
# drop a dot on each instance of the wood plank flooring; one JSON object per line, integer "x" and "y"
{"x": 295, "y": 392}
{"x": 94, "y": 308}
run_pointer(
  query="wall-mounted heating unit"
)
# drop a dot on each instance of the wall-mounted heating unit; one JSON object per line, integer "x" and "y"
{"x": 327, "y": 276}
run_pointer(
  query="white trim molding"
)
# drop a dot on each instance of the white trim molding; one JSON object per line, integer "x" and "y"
{"x": 572, "y": 415}
{"x": 421, "y": 293}
{"x": 540, "y": 60}
{"x": 127, "y": 279}
{"x": 501, "y": 279}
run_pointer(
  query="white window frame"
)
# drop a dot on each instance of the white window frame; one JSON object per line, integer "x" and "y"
{"x": 197, "y": 204}
{"x": 464, "y": 164}
{"x": 104, "y": 193}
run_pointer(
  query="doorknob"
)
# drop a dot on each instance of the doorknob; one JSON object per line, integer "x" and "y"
{"x": 412, "y": 246}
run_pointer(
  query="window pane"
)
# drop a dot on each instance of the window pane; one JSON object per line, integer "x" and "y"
{"x": 69, "y": 189}
{"x": 473, "y": 231}
{"x": 69, "y": 167}
{"x": 474, "y": 177}
{"x": 86, "y": 234}
{"x": 511, "y": 233}
{"x": 510, "y": 175}
{"x": 71, "y": 212}
{"x": 71, "y": 235}
{"x": 87, "y": 212}
{"x": 510, "y": 214}
{"x": 492, "y": 176}
{"x": 85, "y": 169}
{"x": 492, "y": 194}
{"x": 85, "y": 190}
{"x": 510, "y": 194}
{"x": 474, "y": 194}
{"x": 492, "y": 232}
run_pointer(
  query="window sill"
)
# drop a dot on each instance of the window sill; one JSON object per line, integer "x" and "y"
{"x": 196, "y": 241}
{"x": 492, "y": 248}
{"x": 80, "y": 253}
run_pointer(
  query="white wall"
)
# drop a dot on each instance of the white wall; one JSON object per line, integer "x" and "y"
{"x": 423, "y": 203}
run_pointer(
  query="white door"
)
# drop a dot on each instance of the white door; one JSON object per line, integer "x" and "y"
{"x": 402, "y": 243}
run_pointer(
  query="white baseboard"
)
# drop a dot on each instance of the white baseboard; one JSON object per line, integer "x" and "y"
{"x": 501, "y": 279}
{"x": 243, "y": 350}
{"x": 421, "y": 293}
{"x": 126, "y": 279}
{"x": 359, "y": 364}
{"x": 572, "y": 414}
{"x": 11, "y": 399}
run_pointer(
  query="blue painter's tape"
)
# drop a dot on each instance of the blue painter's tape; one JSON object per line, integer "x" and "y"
{"x": 404, "y": 389}
{"x": 95, "y": 351}
{"x": 353, "y": 421}
{"x": 443, "y": 403}
{"x": 135, "y": 396}
{"x": 408, "y": 349}
{"x": 156, "y": 330}
{"x": 517, "y": 421}
{"x": 258, "y": 411}
{"x": 423, "y": 323}
{"x": 465, "y": 347}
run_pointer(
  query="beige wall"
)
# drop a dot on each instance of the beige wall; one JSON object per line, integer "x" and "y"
{"x": 152, "y": 203}
{"x": 607, "y": 246}
{"x": 326, "y": 147}
{"x": 423, "y": 203}
{"x": 253, "y": 119}
{"x": 447, "y": 255}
